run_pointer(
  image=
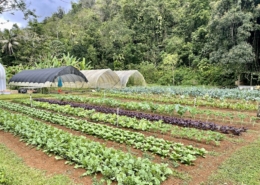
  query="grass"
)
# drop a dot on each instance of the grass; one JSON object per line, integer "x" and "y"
{"x": 14, "y": 172}
{"x": 241, "y": 168}
{"x": 22, "y": 96}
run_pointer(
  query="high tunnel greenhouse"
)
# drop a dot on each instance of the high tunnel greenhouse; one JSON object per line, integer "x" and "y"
{"x": 102, "y": 78}
{"x": 2, "y": 78}
{"x": 51, "y": 77}
{"x": 106, "y": 78}
{"x": 131, "y": 78}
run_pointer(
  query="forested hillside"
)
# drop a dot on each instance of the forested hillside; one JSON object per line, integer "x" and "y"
{"x": 170, "y": 41}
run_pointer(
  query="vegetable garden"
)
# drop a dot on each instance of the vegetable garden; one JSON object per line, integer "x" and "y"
{"x": 137, "y": 136}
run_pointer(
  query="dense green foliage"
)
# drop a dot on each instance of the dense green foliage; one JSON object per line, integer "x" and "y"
{"x": 171, "y": 42}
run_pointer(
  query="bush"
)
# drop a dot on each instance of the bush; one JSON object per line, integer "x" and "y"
{"x": 149, "y": 71}
{"x": 166, "y": 79}
{"x": 204, "y": 74}
{"x": 186, "y": 76}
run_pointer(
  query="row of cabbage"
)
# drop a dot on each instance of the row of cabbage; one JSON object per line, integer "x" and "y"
{"x": 183, "y": 100}
{"x": 113, "y": 164}
{"x": 169, "y": 109}
{"x": 206, "y": 136}
{"x": 164, "y": 148}
{"x": 192, "y": 91}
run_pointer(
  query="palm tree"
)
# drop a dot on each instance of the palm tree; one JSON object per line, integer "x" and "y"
{"x": 9, "y": 41}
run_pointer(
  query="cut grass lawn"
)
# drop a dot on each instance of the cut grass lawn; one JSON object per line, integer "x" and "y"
{"x": 22, "y": 96}
{"x": 241, "y": 168}
{"x": 14, "y": 172}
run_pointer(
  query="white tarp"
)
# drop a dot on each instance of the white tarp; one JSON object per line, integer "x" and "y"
{"x": 2, "y": 78}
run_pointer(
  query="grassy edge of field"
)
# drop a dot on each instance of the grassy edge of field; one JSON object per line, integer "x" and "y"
{"x": 22, "y": 96}
{"x": 241, "y": 168}
{"x": 13, "y": 171}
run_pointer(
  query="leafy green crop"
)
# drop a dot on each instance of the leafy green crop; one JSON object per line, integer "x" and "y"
{"x": 191, "y": 91}
{"x": 198, "y": 135}
{"x": 156, "y": 145}
{"x": 184, "y": 100}
{"x": 170, "y": 109}
{"x": 114, "y": 165}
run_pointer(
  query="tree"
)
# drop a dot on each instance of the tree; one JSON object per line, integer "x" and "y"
{"x": 169, "y": 63}
{"x": 9, "y": 41}
{"x": 234, "y": 32}
{"x": 15, "y": 5}
{"x": 60, "y": 13}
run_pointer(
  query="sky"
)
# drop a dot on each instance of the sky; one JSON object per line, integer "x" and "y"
{"x": 43, "y": 8}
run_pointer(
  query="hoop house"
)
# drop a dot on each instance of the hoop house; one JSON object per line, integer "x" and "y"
{"x": 102, "y": 78}
{"x": 70, "y": 76}
{"x": 2, "y": 78}
{"x": 131, "y": 78}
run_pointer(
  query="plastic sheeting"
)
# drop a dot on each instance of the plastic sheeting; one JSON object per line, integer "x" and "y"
{"x": 2, "y": 78}
{"x": 102, "y": 78}
{"x": 131, "y": 78}
{"x": 71, "y": 77}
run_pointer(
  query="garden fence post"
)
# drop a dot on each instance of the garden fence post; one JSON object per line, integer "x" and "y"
{"x": 117, "y": 112}
{"x": 31, "y": 99}
{"x": 258, "y": 110}
{"x": 195, "y": 101}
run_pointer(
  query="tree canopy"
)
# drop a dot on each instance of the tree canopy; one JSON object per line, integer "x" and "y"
{"x": 14, "y": 5}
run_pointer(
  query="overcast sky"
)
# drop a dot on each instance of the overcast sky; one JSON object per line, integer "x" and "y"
{"x": 43, "y": 8}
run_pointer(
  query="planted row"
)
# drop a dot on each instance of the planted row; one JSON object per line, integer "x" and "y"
{"x": 173, "y": 109}
{"x": 207, "y": 136}
{"x": 175, "y": 151}
{"x": 112, "y": 118}
{"x": 152, "y": 117}
{"x": 144, "y": 106}
{"x": 198, "y": 101}
{"x": 124, "y": 121}
{"x": 92, "y": 156}
{"x": 193, "y": 92}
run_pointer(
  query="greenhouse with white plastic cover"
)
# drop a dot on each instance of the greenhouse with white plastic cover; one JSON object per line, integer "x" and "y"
{"x": 131, "y": 78}
{"x": 2, "y": 79}
{"x": 102, "y": 78}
